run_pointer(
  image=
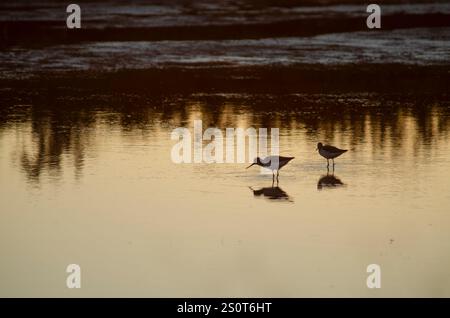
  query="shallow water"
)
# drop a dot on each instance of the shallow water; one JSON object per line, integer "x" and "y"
{"x": 97, "y": 187}
{"x": 116, "y": 13}
{"x": 422, "y": 46}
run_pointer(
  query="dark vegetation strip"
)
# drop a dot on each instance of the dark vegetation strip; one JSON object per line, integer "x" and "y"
{"x": 41, "y": 33}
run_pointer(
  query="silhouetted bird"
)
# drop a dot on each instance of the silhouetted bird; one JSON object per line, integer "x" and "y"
{"x": 274, "y": 163}
{"x": 329, "y": 152}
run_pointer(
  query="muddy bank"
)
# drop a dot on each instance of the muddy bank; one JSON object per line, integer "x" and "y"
{"x": 42, "y": 33}
{"x": 385, "y": 78}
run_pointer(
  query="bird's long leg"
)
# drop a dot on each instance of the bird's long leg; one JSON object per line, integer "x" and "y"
{"x": 328, "y": 163}
{"x": 278, "y": 174}
{"x": 333, "y": 165}
{"x": 273, "y": 177}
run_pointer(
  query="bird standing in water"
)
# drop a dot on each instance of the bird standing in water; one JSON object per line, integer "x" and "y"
{"x": 274, "y": 163}
{"x": 329, "y": 152}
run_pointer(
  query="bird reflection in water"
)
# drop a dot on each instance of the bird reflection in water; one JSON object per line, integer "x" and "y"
{"x": 329, "y": 181}
{"x": 273, "y": 193}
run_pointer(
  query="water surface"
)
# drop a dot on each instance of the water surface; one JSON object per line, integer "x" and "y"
{"x": 96, "y": 186}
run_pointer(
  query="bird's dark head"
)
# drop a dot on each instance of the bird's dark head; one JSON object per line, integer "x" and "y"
{"x": 256, "y": 161}
{"x": 319, "y": 146}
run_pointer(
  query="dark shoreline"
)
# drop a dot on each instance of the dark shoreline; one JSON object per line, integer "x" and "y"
{"x": 376, "y": 78}
{"x": 43, "y": 33}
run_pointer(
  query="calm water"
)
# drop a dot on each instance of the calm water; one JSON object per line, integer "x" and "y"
{"x": 96, "y": 186}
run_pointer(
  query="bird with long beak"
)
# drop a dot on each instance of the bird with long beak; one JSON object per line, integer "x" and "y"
{"x": 329, "y": 152}
{"x": 274, "y": 163}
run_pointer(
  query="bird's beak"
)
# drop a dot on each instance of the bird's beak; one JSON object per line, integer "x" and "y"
{"x": 250, "y": 165}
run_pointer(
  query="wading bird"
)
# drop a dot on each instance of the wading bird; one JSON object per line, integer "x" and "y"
{"x": 274, "y": 163}
{"x": 329, "y": 152}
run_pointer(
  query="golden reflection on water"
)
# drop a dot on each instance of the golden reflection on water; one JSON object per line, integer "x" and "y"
{"x": 97, "y": 187}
